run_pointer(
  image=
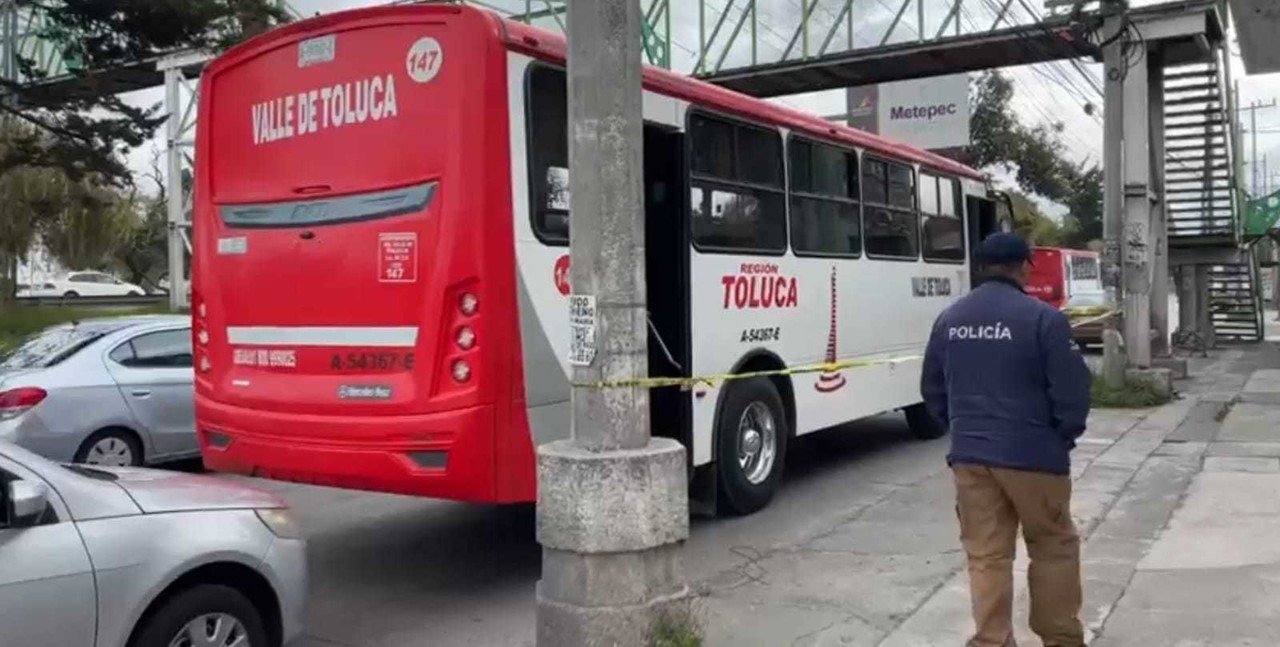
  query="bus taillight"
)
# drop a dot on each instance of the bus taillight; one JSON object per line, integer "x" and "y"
{"x": 463, "y": 338}
{"x": 461, "y": 371}
{"x": 466, "y": 338}
{"x": 201, "y": 328}
{"x": 469, "y": 304}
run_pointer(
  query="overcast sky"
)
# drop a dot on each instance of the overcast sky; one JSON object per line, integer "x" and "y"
{"x": 1044, "y": 93}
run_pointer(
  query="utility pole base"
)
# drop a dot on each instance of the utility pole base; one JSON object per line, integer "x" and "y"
{"x": 611, "y": 560}
{"x": 1114, "y": 359}
{"x": 1176, "y": 366}
{"x": 1161, "y": 378}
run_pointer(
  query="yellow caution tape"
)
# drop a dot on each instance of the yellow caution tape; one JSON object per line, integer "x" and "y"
{"x": 1094, "y": 314}
{"x": 825, "y": 367}
{"x": 1087, "y": 311}
{"x": 713, "y": 380}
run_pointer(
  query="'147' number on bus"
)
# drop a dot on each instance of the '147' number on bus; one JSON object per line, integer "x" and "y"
{"x": 425, "y": 59}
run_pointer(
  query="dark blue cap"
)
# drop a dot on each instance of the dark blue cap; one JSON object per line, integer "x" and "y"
{"x": 1003, "y": 248}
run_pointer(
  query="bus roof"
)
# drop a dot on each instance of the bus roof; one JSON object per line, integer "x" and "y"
{"x": 544, "y": 44}
{"x": 548, "y": 45}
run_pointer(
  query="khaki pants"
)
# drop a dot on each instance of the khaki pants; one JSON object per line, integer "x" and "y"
{"x": 991, "y": 502}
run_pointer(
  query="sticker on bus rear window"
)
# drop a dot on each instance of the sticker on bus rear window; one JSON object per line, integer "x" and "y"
{"x": 236, "y": 245}
{"x": 317, "y": 50}
{"x": 398, "y": 258}
{"x": 424, "y": 60}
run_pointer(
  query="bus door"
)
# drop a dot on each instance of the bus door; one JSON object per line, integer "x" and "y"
{"x": 667, "y": 279}
{"x": 983, "y": 220}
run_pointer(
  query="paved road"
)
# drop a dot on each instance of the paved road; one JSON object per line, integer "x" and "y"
{"x": 391, "y": 571}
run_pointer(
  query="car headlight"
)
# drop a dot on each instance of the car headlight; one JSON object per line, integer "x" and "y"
{"x": 281, "y": 522}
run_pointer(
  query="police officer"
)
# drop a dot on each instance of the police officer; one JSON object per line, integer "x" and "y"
{"x": 1003, "y": 374}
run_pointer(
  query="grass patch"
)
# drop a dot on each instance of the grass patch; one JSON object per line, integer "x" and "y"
{"x": 1134, "y": 393}
{"x": 677, "y": 629}
{"x": 19, "y": 321}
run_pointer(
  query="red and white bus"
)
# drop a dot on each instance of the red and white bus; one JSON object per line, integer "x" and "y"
{"x": 381, "y": 261}
{"x": 1066, "y": 278}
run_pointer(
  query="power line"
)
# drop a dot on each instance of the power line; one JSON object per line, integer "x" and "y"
{"x": 1031, "y": 97}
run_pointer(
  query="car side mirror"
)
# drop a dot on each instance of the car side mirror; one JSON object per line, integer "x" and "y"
{"x": 27, "y": 502}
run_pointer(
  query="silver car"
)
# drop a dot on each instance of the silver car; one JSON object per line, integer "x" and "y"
{"x": 129, "y": 557}
{"x": 114, "y": 392}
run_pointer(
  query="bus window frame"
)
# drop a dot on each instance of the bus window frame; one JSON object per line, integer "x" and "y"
{"x": 696, "y": 181}
{"x": 823, "y": 197}
{"x": 531, "y": 170}
{"x": 915, "y": 207}
{"x": 958, "y": 201}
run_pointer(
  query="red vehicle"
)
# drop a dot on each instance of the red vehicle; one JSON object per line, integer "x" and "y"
{"x": 381, "y": 260}
{"x": 1061, "y": 276}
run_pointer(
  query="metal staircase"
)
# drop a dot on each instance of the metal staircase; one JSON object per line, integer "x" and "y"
{"x": 1199, "y": 168}
{"x": 1202, "y": 197}
{"x": 1234, "y": 302}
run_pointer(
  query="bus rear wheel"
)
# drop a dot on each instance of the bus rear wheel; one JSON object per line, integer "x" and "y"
{"x": 751, "y": 445}
{"x": 922, "y": 423}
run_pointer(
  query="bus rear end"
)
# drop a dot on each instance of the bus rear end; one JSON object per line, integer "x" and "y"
{"x": 1048, "y": 276}
{"x": 352, "y": 297}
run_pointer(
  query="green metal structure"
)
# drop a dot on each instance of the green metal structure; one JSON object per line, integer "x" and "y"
{"x": 1261, "y": 216}
{"x": 27, "y": 34}
{"x": 550, "y": 14}
{"x": 711, "y": 37}
{"x": 699, "y": 37}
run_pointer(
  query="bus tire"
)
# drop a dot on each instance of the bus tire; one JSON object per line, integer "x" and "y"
{"x": 922, "y": 423}
{"x": 751, "y": 445}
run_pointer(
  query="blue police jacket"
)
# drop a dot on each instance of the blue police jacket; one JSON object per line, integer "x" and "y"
{"x": 1003, "y": 373}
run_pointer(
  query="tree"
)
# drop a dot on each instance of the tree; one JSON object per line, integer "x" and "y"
{"x": 29, "y": 198}
{"x": 84, "y": 130}
{"x": 95, "y": 222}
{"x": 1030, "y": 222}
{"x": 1085, "y": 206}
{"x": 143, "y": 255}
{"x": 1037, "y": 155}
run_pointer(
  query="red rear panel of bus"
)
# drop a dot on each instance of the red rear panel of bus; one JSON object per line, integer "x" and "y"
{"x": 1048, "y": 277}
{"x": 353, "y": 294}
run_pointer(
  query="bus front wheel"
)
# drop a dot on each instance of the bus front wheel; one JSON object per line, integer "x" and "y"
{"x": 922, "y": 423}
{"x": 751, "y": 444}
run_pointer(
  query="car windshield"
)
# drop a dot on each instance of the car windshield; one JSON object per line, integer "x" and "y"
{"x": 48, "y": 347}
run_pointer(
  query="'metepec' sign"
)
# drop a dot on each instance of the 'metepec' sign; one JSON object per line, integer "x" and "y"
{"x": 930, "y": 113}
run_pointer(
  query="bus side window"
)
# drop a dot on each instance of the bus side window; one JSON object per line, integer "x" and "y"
{"x": 825, "y": 219}
{"x": 890, "y": 222}
{"x": 736, "y": 196}
{"x": 943, "y": 229}
{"x": 548, "y": 142}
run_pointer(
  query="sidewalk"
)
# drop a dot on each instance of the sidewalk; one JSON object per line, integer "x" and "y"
{"x": 1179, "y": 507}
{"x": 1212, "y": 577}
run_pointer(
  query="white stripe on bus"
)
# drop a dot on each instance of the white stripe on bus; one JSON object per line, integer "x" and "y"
{"x": 385, "y": 336}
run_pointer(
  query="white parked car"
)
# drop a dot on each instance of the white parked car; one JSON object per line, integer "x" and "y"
{"x": 83, "y": 284}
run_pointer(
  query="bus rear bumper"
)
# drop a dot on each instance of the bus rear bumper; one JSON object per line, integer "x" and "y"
{"x": 447, "y": 455}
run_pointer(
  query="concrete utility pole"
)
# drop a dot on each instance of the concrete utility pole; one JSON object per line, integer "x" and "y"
{"x": 612, "y": 502}
{"x": 1114, "y": 360}
{"x": 1159, "y": 300}
{"x": 1253, "y": 134}
{"x": 1137, "y": 243}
